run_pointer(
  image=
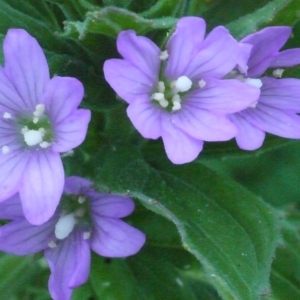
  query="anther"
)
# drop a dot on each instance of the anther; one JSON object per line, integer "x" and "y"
{"x": 202, "y": 83}
{"x": 5, "y": 149}
{"x": 164, "y": 55}
{"x": 32, "y": 137}
{"x": 81, "y": 199}
{"x": 52, "y": 244}
{"x": 161, "y": 87}
{"x": 64, "y": 226}
{"x": 183, "y": 84}
{"x": 176, "y": 102}
{"x": 252, "y": 81}
{"x": 86, "y": 235}
{"x": 278, "y": 73}
{"x": 7, "y": 115}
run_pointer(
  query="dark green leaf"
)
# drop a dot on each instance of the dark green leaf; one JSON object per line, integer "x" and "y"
{"x": 111, "y": 20}
{"x": 211, "y": 213}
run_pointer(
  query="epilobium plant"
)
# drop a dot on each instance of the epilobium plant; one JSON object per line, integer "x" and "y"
{"x": 39, "y": 119}
{"x": 276, "y": 109}
{"x": 84, "y": 220}
{"x": 178, "y": 94}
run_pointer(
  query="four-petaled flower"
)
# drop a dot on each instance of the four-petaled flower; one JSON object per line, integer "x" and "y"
{"x": 84, "y": 220}
{"x": 276, "y": 109}
{"x": 39, "y": 119}
{"x": 179, "y": 94}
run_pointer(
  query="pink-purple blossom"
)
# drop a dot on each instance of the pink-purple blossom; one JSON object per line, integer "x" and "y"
{"x": 276, "y": 109}
{"x": 180, "y": 94}
{"x": 85, "y": 220}
{"x": 39, "y": 119}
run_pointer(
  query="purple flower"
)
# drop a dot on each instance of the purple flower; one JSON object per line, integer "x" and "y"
{"x": 84, "y": 220}
{"x": 179, "y": 94}
{"x": 38, "y": 120}
{"x": 279, "y": 101}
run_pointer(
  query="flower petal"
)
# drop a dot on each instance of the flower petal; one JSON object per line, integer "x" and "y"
{"x": 183, "y": 45}
{"x": 61, "y": 97}
{"x": 69, "y": 263}
{"x": 11, "y": 208}
{"x": 287, "y": 58}
{"x": 204, "y": 125}
{"x": 244, "y": 55}
{"x": 273, "y": 120}
{"x": 25, "y": 65}
{"x": 266, "y": 44}
{"x": 146, "y": 117}
{"x": 114, "y": 206}
{"x": 281, "y": 93}
{"x": 75, "y": 185}
{"x": 114, "y": 238}
{"x": 71, "y": 131}
{"x": 249, "y": 137}
{"x": 12, "y": 166}
{"x": 19, "y": 237}
{"x": 222, "y": 96}
{"x": 180, "y": 147}
{"x": 10, "y": 100}
{"x": 141, "y": 52}
{"x": 218, "y": 55}
{"x": 127, "y": 80}
{"x": 42, "y": 186}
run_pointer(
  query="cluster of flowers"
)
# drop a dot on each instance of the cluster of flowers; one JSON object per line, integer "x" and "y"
{"x": 198, "y": 89}
{"x": 209, "y": 88}
{"x": 65, "y": 218}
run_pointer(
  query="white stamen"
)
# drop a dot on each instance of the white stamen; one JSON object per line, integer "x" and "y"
{"x": 32, "y": 137}
{"x": 278, "y": 73}
{"x": 164, "y": 55}
{"x": 7, "y": 115}
{"x": 24, "y": 129}
{"x": 164, "y": 103}
{"x": 202, "y": 83}
{"x": 253, "y": 105}
{"x": 183, "y": 84}
{"x": 42, "y": 131}
{"x": 158, "y": 96}
{"x": 80, "y": 212}
{"x": 39, "y": 110}
{"x": 5, "y": 149}
{"x": 64, "y": 226}
{"x": 161, "y": 87}
{"x": 176, "y": 100}
{"x": 52, "y": 244}
{"x": 44, "y": 145}
{"x": 252, "y": 81}
{"x": 86, "y": 235}
{"x": 81, "y": 199}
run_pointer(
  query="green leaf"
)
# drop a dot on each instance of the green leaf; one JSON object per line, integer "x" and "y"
{"x": 165, "y": 8}
{"x": 111, "y": 20}
{"x": 154, "y": 273}
{"x": 285, "y": 275}
{"x": 15, "y": 272}
{"x": 227, "y": 228}
{"x": 251, "y": 22}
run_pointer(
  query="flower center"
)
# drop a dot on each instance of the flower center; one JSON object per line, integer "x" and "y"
{"x": 65, "y": 226}
{"x": 74, "y": 214}
{"x": 170, "y": 96}
{"x": 36, "y": 128}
